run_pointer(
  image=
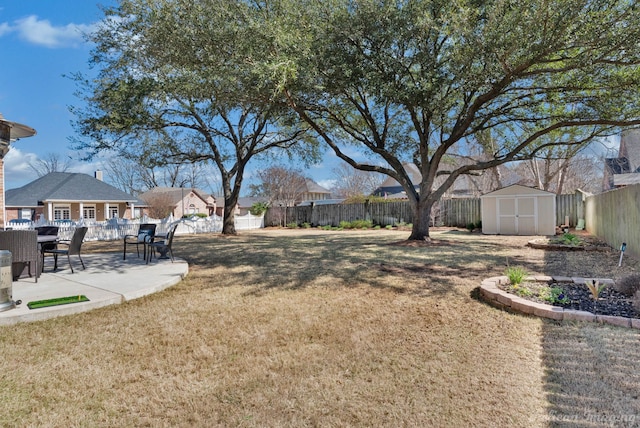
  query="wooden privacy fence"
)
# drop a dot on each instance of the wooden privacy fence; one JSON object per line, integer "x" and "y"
{"x": 381, "y": 213}
{"x": 458, "y": 212}
{"x": 615, "y": 217}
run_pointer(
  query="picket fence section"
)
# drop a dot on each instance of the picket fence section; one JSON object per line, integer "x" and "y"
{"x": 115, "y": 229}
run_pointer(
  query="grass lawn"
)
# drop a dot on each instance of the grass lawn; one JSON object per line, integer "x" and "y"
{"x": 324, "y": 328}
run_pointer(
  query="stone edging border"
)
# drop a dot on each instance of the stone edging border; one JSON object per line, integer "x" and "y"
{"x": 499, "y": 298}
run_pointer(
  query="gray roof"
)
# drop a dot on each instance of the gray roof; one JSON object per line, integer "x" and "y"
{"x": 313, "y": 187}
{"x": 65, "y": 187}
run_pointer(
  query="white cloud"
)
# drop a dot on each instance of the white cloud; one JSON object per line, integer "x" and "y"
{"x": 327, "y": 184}
{"x": 4, "y": 28}
{"x": 42, "y": 32}
{"x": 18, "y": 172}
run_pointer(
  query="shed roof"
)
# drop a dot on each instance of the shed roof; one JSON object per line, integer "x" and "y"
{"x": 518, "y": 190}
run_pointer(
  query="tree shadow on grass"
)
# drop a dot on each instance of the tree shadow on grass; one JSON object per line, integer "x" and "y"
{"x": 344, "y": 259}
{"x": 592, "y": 376}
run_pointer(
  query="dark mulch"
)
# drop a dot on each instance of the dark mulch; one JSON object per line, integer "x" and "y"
{"x": 610, "y": 302}
{"x": 579, "y": 298}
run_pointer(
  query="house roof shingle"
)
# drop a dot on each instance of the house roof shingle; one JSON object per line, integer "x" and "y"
{"x": 65, "y": 186}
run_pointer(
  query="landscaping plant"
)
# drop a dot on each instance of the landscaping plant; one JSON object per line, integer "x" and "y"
{"x": 595, "y": 288}
{"x": 553, "y": 295}
{"x": 516, "y": 274}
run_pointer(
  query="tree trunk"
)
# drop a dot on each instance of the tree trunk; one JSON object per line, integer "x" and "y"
{"x": 421, "y": 219}
{"x": 229, "y": 217}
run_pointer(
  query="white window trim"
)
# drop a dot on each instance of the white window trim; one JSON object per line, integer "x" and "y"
{"x": 89, "y": 208}
{"x": 62, "y": 208}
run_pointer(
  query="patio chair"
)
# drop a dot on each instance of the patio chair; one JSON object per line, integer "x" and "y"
{"x": 163, "y": 246}
{"x": 23, "y": 245}
{"x": 146, "y": 233}
{"x": 47, "y": 245}
{"x": 73, "y": 248}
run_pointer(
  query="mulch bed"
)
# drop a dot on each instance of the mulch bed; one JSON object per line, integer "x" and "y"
{"x": 579, "y": 298}
{"x": 610, "y": 302}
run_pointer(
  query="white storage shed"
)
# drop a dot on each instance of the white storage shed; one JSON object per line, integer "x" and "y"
{"x": 518, "y": 210}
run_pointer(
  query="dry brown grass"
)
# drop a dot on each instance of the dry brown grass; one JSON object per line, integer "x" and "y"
{"x": 318, "y": 328}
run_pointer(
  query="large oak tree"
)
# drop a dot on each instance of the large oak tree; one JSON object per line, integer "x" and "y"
{"x": 417, "y": 80}
{"x": 176, "y": 84}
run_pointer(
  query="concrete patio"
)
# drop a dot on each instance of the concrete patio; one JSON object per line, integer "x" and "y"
{"x": 107, "y": 280}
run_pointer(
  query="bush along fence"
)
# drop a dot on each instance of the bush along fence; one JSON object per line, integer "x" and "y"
{"x": 458, "y": 212}
{"x": 115, "y": 229}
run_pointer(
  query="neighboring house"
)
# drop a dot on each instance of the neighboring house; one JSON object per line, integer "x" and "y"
{"x": 624, "y": 170}
{"x": 312, "y": 191}
{"x": 178, "y": 201}
{"x": 243, "y": 206}
{"x": 68, "y": 196}
{"x": 463, "y": 187}
{"x": 390, "y": 188}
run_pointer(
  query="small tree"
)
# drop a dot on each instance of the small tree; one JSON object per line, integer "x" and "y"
{"x": 350, "y": 182}
{"x": 51, "y": 162}
{"x": 282, "y": 186}
{"x": 160, "y": 205}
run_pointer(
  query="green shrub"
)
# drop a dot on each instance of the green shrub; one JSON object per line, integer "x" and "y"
{"x": 521, "y": 291}
{"x": 569, "y": 239}
{"x": 553, "y": 295}
{"x": 388, "y": 227}
{"x": 345, "y": 224}
{"x": 516, "y": 274}
{"x": 292, "y": 225}
{"x": 471, "y": 226}
{"x": 361, "y": 224}
{"x": 199, "y": 215}
{"x": 258, "y": 208}
{"x": 306, "y": 225}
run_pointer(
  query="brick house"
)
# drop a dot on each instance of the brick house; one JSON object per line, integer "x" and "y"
{"x": 69, "y": 196}
{"x": 159, "y": 202}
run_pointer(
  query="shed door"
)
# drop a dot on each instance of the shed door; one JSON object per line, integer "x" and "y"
{"x": 517, "y": 216}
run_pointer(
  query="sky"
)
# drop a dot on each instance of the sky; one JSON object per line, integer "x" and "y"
{"x": 40, "y": 42}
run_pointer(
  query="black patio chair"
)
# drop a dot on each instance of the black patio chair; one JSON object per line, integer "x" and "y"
{"x": 73, "y": 248}
{"x": 163, "y": 246}
{"x": 145, "y": 236}
{"x": 46, "y": 245}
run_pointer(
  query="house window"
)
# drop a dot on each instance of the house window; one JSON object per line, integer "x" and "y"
{"x": 192, "y": 209}
{"x": 62, "y": 212}
{"x": 113, "y": 212}
{"x": 25, "y": 213}
{"x": 89, "y": 212}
